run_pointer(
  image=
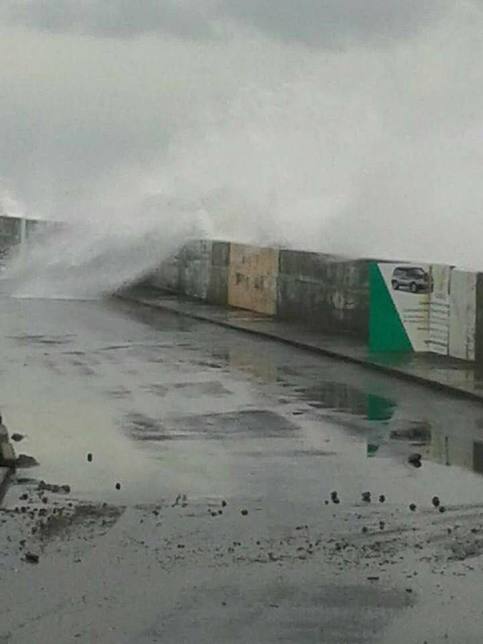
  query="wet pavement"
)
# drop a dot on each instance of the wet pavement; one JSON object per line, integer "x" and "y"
{"x": 217, "y": 488}
{"x": 457, "y": 377}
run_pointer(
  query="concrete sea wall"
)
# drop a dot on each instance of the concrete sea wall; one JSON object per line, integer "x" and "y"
{"x": 393, "y": 306}
{"x": 323, "y": 291}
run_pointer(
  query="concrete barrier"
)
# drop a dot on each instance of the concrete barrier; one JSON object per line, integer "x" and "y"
{"x": 439, "y": 310}
{"x": 194, "y": 265}
{"x": 327, "y": 292}
{"x": 462, "y": 315}
{"x": 479, "y": 320}
{"x": 166, "y": 276}
{"x": 218, "y": 280}
{"x": 252, "y": 278}
{"x": 10, "y": 232}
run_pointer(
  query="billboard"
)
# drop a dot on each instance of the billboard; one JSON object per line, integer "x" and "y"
{"x": 400, "y": 303}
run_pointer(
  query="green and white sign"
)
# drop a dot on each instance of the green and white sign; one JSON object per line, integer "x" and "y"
{"x": 399, "y": 310}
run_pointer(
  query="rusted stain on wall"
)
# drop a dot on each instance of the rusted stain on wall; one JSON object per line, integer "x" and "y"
{"x": 252, "y": 278}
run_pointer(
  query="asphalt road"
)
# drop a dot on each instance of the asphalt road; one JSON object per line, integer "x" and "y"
{"x": 207, "y": 512}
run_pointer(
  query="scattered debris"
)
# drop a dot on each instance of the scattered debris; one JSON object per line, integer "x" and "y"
{"x": 415, "y": 459}
{"x": 56, "y": 489}
{"x": 24, "y": 461}
{"x": 31, "y": 557}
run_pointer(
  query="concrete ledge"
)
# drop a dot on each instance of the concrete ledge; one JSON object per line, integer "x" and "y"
{"x": 441, "y": 373}
{"x": 5, "y": 473}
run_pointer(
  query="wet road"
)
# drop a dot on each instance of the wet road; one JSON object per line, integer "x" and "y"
{"x": 226, "y": 449}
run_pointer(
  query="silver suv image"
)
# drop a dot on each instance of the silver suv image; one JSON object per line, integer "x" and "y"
{"x": 411, "y": 278}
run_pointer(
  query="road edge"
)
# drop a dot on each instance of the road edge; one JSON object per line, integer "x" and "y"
{"x": 366, "y": 363}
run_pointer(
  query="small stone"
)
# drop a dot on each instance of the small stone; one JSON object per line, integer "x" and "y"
{"x": 442, "y": 508}
{"x": 223, "y": 503}
{"x": 118, "y": 486}
{"x": 364, "y": 529}
{"x": 24, "y": 497}
{"x": 89, "y": 457}
{"x": 435, "y": 501}
{"x": 24, "y": 461}
{"x": 382, "y": 525}
{"x": 31, "y": 557}
{"x": 382, "y": 498}
{"x": 17, "y": 437}
{"x": 415, "y": 459}
{"x": 366, "y": 497}
{"x": 412, "y": 507}
{"x": 244, "y": 512}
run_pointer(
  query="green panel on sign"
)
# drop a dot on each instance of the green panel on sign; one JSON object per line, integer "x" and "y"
{"x": 386, "y": 330}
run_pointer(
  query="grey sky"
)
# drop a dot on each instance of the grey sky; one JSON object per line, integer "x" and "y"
{"x": 316, "y": 22}
{"x": 261, "y": 108}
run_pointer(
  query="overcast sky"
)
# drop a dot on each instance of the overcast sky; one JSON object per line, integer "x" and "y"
{"x": 105, "y": 97}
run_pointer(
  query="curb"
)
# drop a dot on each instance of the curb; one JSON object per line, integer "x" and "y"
{"x": 330, "y": 353}
{"x": 5, "y": 475}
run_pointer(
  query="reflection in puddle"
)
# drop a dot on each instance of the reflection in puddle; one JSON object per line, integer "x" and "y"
{"x": 341, "y": 397}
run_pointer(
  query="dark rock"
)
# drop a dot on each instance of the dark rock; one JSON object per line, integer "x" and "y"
{"x": 244, "y": 512}
{"x": 118, "y": 486}
{"x": 17, "y": 437}
{"x": 415, "y": 459}
{"x": 382, "y": 498}
{"x": 435, "y": 501}
{"x": 31, "y": 557}
{"x": 442, "y": 508}
{"x": 24, "y": 497}
{"x": 89, "y": 457}
{"x": 412, "y": 507}
{"x": 223, "y": 503}
{"x": 366, "y": 496}
{"x": 23, "y": 460}
{"x": 334, "y": 497}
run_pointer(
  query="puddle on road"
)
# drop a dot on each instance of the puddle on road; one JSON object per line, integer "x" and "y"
{"x": 159, "y": 418}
